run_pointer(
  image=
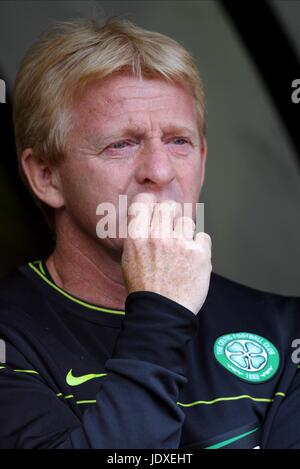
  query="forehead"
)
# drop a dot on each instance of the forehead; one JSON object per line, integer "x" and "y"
{"x": 123, "y": 97}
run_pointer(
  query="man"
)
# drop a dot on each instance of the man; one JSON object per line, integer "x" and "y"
{"x": 131, "y": 342}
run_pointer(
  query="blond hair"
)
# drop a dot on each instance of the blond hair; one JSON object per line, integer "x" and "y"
{"x": 71, "y": 54}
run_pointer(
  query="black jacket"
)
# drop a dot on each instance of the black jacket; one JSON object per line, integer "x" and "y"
{"x": 77, "y": 375}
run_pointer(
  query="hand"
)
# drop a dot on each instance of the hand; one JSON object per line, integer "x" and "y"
{"x": 176, "y": 266}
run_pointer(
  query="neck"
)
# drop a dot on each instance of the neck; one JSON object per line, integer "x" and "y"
{"x": 86, "y": 268}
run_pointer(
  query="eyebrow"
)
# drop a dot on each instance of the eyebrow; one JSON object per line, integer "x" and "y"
{"x": 178, "y": 129}
{"x": 99, "y": 139}
{"x": 127, "y": 130}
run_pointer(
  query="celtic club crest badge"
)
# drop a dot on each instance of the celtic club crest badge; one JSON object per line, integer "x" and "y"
{"x": 248, "y": 356}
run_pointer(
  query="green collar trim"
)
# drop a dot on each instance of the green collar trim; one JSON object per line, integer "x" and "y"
{"x": 41, "y": 273}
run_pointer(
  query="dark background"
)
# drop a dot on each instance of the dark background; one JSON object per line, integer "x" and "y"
{"x": 248, "y": 53}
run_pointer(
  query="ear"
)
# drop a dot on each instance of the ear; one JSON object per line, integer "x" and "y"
{"x": 203, "y": 160}
{"x": 43, "y": 179}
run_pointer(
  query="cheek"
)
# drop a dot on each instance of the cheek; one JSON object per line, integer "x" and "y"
{"x": 86, "y": 186}
{"x": 197, "y": 180}
{"x": 189, "y": 176}
{"x": 80, "y": 195}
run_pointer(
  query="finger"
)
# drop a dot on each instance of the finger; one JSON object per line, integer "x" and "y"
{"x": 144, "y": 197}
{"x": 163, "y": 217}
{"x": 184, "y": 227}
{"x": 203, "y": 237}
{"x": 140, "y": 214}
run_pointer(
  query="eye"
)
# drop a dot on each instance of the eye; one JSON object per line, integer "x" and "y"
{"x": 118, "y": 145}
{"x": 120, "y": 148}
{"x": 180, "y": 140}
{"x": 122, "y": 144}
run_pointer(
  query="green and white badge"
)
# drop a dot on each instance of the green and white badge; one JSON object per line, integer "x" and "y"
{"x": 249, "y": 356}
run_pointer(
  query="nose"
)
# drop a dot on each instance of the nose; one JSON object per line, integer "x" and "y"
{"x": 155, "y": 166}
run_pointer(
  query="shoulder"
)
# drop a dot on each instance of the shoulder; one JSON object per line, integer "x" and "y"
{"x": 19, "y": 298}
{"x": 15, "y": 287}
{"x": 232, "y": 295}
{"x": 234, "y": 291}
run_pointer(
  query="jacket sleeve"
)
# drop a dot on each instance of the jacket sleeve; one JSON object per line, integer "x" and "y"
{"x": 136, "y": 402}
